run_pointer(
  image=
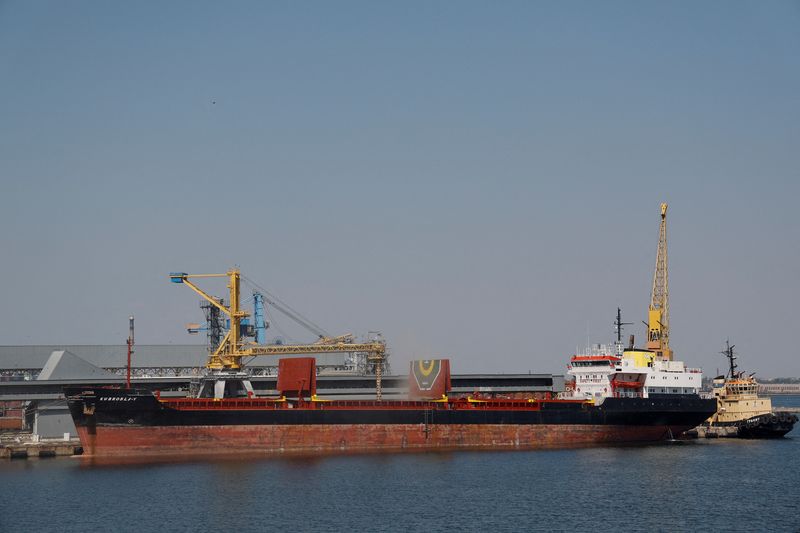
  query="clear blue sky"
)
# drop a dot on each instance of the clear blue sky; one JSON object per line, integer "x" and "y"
{"x": 477, "y": 180}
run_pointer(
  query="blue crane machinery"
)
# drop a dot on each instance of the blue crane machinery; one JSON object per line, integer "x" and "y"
{"x": 216, "y": 326}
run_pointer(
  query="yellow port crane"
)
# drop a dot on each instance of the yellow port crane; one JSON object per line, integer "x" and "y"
{"x": 658, "y": 316}
{"x": 228, "y": 355}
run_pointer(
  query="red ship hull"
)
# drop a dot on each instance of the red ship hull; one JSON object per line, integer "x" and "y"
{"x": 271, "y": 439}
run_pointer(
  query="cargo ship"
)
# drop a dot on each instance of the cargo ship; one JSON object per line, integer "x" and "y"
{"x": 131, "y": 422}
{"x": 226, "y": 416}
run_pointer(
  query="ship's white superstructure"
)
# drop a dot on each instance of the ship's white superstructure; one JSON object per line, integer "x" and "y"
{"x": 673, "y": 377}
{"x": 610, "y": 370}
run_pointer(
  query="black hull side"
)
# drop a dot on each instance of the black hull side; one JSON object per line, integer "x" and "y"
{"x": 93, "y": 407}
{"x": 767, "y": 426}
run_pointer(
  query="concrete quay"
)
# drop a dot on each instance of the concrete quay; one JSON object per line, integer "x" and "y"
{"x": 25, "y": 446}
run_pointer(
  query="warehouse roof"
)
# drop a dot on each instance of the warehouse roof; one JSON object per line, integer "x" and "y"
{"x": 64, "y": 365}
{"x": 145, "y": 356}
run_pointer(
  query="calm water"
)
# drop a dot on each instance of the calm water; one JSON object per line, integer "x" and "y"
{"x": 721, "y": 485}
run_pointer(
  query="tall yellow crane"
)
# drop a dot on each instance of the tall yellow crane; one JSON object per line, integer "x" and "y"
{"x": 228, "y": 355}
{"x": 658, "y": 316}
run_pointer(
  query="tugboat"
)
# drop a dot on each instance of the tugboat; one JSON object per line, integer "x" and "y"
{"x": 739, "y": 406}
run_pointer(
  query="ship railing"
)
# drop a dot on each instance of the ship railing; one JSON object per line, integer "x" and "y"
{"x": 279, "y": 403}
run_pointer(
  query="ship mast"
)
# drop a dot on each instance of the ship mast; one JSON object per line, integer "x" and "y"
{"x": 731, "y": 358}
{"x": 618, "y": 323}
{"x": 658, "y": 316}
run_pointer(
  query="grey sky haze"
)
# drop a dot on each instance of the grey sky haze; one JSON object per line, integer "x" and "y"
{"x": 476, "y": 180}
